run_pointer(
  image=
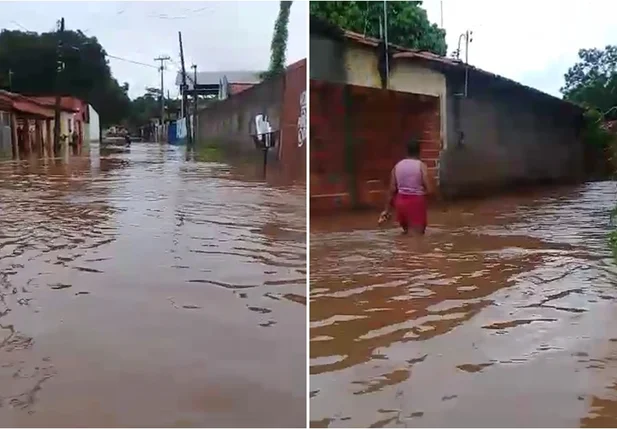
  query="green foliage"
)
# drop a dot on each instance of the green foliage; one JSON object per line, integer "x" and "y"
{"x": 593, "y": 132}
{"x": 148, "y": 106}
{"x": 28, "y": 64}
{"x": 278, "y": 48}
{"x": 208, "y": 152}
{"x": 408, "y": 23}
{"x": 592, "y": 81}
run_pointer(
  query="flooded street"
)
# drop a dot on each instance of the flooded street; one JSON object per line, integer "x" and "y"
{"x": 145, "y": 289}
{"x": 503, "y": 315}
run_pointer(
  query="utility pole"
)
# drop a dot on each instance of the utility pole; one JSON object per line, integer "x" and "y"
{"x": 468, "y": 36}
{"x": 194, "y": 67}
{"x": 189, "y": 135}
{"x": 468, "y": 40}
{"x": 385, "y": 32}
{"x": 162, "y": 59}
{"x": 59, "y": 68}
{"x": 10, "y": 80}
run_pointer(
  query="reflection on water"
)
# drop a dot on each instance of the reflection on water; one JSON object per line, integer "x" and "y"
{"x": 503, "y": 315}
{"x": 141, "y": 289}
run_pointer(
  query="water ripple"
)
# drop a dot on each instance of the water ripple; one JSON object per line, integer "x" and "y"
{"x": 496, "y": 300}
{"x": 127, "y": 266}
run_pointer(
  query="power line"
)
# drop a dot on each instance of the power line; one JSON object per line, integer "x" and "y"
{"x": 132, "y": 61}
{"x": 20, "y": 26}
{"x": 187, "y": 76}
{"x": 191, "y": 12}
{"x": 162, "y": 59}
{"x": 109, "y": 55}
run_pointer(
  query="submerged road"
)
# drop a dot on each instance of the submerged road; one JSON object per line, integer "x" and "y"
{"x": 145, "y": 289}
{"x": 504, "y": 315}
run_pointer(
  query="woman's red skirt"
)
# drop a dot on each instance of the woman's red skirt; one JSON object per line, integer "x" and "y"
{"x": 411, "y": 211}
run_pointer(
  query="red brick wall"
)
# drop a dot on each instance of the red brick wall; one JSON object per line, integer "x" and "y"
{"x": 292, "y": 153}
{"x": 380, "y": 123}
{"x": 328, "y": 181}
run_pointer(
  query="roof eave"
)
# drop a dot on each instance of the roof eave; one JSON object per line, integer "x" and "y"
{"x": 448, "y": 65}
{"x": 443, "y": 63}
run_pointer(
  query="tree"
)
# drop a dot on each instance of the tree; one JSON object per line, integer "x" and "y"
{"x": 148, "y": 106}
{"x": 278, "y": 47}
{"x": 592, "y": 81}
{"x": 30, "y": 59}
{"x": 408, "y": 23}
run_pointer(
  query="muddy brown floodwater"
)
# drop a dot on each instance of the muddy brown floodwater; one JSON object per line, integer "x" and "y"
{"x": 503, "y": 315}
{"x": 145, "y": 289}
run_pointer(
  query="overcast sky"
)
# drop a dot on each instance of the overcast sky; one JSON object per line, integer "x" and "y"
{"x": 533, "y": 42}
{"x": 217, "y": 36}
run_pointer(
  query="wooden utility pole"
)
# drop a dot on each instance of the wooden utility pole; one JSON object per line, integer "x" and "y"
{"x": 194, "y": 67}
{"x": 59, "y": 68}
{"x": 189, "y": 134}
{"x": 385, "y": 32}
{"x": 162, "y": 59}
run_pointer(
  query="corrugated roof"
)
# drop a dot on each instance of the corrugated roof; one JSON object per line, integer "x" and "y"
{"x": 214, "y": 77}
{"x": 449, "y": 63}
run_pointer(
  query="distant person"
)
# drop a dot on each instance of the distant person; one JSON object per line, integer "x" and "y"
{"x": 409, "y": 186}
{"x": 74, "y": 138}
{"x": 74, "y": 141}
{"x": 21, "y": 138}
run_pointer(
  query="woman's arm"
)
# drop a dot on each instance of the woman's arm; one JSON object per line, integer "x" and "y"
{"x": 391, "y": 192}
{"x": 426, "y": 180}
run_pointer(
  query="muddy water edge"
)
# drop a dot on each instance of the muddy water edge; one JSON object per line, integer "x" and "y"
{"x": 150, "y": 288}
{"x": 503, "y": 315}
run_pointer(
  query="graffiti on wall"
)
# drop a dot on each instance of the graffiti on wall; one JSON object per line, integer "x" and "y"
{"x": 302, "y": 120}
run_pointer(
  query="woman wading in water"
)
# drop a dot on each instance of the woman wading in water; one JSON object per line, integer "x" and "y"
{"x": 409, "y": 186}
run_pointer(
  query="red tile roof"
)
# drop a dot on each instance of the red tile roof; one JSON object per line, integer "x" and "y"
{"x": 23, "y": 104}
{"x": 68, "y": 104}
{"x": 237, "y": 88}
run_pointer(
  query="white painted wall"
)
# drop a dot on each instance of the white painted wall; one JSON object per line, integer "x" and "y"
{"x": 361, "y": 65}
{"x": 406, "y": 76}
{"x": 93, "y": 131}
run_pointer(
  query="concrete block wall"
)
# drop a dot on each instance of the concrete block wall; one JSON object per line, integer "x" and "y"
{"x": 231, "y": 122}
{"x": 503, "y": 137}
{"x": 329, "y": 182}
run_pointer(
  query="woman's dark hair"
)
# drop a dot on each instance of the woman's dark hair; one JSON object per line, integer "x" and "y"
{"x": 413, "y": 148}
